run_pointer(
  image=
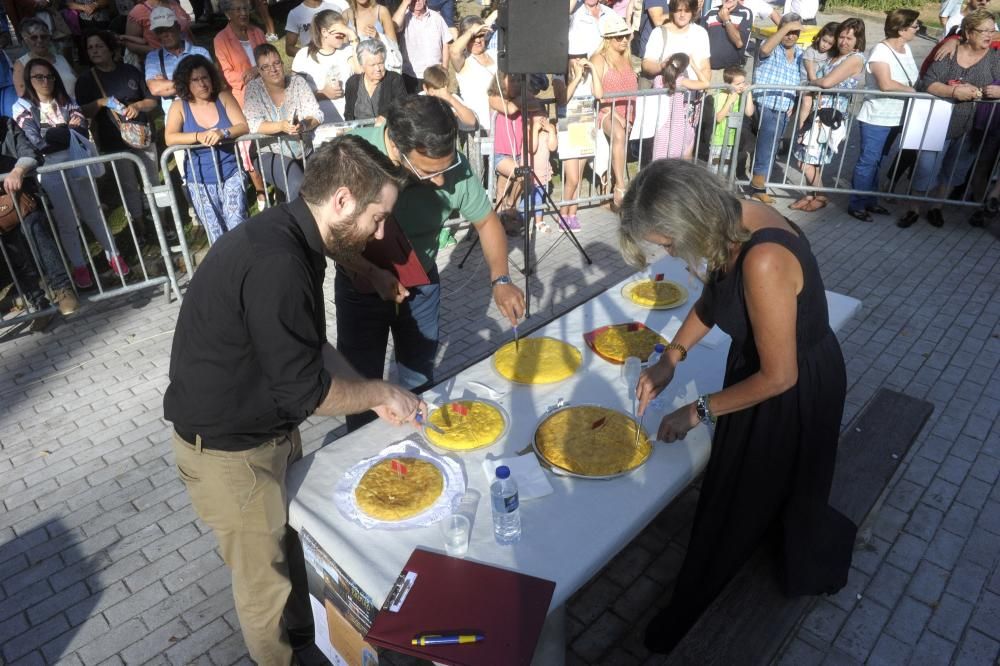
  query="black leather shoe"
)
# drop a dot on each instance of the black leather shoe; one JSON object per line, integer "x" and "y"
{"x": 860, "y": 215}
{"x": 978, "y": 218}
{"x": 908, "y": 219}
{"x": 935, "y": 217}
{"x": 877, "y": 210}
{"x": 993, "y": 205}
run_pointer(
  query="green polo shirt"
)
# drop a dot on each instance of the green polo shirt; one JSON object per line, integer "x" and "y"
{"x": 422, "y": 210}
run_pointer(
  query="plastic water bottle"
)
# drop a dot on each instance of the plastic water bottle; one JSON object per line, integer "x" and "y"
{"x": 506, "y": 516}
{"x": 116, "y": 106}
{"x": 654, "y": 358}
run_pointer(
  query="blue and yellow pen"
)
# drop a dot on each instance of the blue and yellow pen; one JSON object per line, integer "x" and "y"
{"x": 447, "y": 639}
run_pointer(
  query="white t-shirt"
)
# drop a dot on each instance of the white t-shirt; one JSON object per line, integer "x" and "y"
{"x": 587, "y": 29}
{"x": 954, "y": 21}
{"x": 903, "y": 69}
{"x": 693, "y": 41}
{"x": 949, "y": 7}
{"x": 321, "y": 71}
{"x": 300, "y": 19}
{"x": 761, "y": 8}
{"x": 807, "y": 9}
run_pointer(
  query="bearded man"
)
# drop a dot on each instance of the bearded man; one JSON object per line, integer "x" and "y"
{"x": 250, "y": 362}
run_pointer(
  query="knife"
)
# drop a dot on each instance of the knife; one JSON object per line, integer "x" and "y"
{"x": 517, "y": 341}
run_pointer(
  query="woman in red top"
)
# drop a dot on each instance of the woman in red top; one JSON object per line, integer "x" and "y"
{"x": 234, "y": 47}
{"x": 613, "y": 73}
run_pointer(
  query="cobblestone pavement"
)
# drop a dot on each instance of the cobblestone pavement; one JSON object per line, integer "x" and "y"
{"x": 103, "y": 561}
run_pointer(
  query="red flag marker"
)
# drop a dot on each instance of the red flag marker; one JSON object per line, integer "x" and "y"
{"x": 598, "y": 423}
{"x": 659, "y": 277}
{"x": 634, "y": 326}
{"x": 459, "y": 408}
{"x": 399, "y": 468}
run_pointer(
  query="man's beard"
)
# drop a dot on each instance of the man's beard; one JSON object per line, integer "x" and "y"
{"x": 346, "y": 241}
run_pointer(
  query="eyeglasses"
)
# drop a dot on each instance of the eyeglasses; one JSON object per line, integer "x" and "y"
{"x": 273, "y": 67}
{"x": 916, "y": 25}
{"x": 422, "y": 176}
{"x": 983, "y": 31}
{"x": 43, "y": 77}
{"x": 793, "y": 33}
{"x": 240, "y": 10}
{"x": 332, "y": 33}
{"x": 39, "y": 37}
{"x": 618, "y": 38}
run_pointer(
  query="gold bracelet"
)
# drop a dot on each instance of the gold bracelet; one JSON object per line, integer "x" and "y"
{"x": 680, "y": 348}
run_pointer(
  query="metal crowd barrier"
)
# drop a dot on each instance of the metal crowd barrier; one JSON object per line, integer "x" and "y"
{"x": 74, "y": 185}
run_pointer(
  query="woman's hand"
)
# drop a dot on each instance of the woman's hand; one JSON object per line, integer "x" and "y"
{"x": 13, "y": 181}
{"x": 288, "y": 127}
{"x": 992, "y": 91}
{"x": 210, "y": 137}
{"x": 369, "y": 32}
{"x": 333, "y": 90}
{"x": 75, "y": 121}
{"x": 676, "y": 425}
{"x": 652, "y": 381}
{"x": 965, "y": 92}
{"x": 131, "y": 113}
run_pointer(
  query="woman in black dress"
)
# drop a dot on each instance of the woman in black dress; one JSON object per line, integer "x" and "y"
{"x": 777, "y": 419}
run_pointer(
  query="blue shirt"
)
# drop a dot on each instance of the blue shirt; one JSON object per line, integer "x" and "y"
{"x": 156, "y": 67}
{"x": 646, "y": 27}
{"x": 776, "y": 69}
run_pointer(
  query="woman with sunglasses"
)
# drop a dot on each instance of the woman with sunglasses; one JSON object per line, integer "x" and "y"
{"x": 613, "y": 73}
{"x": 38, "y": 38}
{"x": 277, "y": 104}
{"x": 474, "y": 67}
{"x": 47, "y": 115}
{"x": 328, "y": 62}
{"x": 204, "y": 113}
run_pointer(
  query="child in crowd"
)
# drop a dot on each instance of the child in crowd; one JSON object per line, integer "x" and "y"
{"x": 727, "y": 104}
{"x": 675, "y": 137}
{"x": 813, "y": 58}
{"x": 435, "y": 84}
{"x": 544, "y": 140}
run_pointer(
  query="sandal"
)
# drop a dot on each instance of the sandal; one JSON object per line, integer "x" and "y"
{"x": 802, "y": 203}
{"x": 814, "y": 205}
{"x": 543, "y": 227}
{"x": 862, "y": 215}
{"x": 616, "y": 201}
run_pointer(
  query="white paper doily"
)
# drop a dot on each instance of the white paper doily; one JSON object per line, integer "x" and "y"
{"x": 454, "y": 486}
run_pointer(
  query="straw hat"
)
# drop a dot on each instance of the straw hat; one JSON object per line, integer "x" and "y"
{"x": 613, "y": 25}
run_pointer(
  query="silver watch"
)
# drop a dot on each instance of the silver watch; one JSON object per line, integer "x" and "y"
{"x": 703, "y": 410}
{"x": 501, "y": 279}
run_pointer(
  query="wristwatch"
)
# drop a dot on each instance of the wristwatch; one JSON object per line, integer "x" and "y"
{"x": 703, "y": 410}
{"x": 501, "y": 279}
{"x": 727, "y": 22}
{"x": 226, "y": 133}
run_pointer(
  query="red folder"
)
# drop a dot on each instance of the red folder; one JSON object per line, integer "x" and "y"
{"x": 450, "y": 595}
{"x": 394, "y": 253}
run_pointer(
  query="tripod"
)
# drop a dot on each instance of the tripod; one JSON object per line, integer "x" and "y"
{"x": 529, "y": 181}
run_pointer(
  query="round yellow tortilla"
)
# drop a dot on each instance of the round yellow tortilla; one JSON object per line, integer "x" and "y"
{"x": 569, "y": 439}
{"x": 481, "y": 426}
{"x": 658, "y": 295}
{"x": 537, "y": 361}
{"x": 616, "y": 343}
{"x": 384, "y": 494}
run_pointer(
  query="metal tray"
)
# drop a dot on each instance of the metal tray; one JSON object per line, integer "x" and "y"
{"x": 491, "y": 403}
{"x": 566, "y": 472}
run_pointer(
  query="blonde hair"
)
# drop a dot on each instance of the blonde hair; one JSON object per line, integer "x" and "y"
{"x": 972, "y": 19}
{"x": 687, "y": 204}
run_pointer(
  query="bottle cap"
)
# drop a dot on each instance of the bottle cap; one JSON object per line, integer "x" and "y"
{"x": 659, "y": 348}
{"x": 503, "y": 472}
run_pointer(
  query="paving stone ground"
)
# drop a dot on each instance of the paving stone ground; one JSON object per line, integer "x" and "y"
{"x": 103, "y": 561}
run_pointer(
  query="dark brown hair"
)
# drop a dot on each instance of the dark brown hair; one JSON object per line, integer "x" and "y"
{"x": 182, "y": 76}
{"x": 857, "y": 26}
{"x": 899, "y": 19}
{"x": 351, "y": 162}
{"x": 60, "y": 94}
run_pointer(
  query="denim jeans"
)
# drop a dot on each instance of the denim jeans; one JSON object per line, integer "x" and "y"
{"x": 364, "y": 322}
{"x": 772, "y": 128}
{"x": 873, "y": 138}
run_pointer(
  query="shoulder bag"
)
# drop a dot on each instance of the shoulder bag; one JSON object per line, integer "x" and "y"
{"x": 135, "y": 134}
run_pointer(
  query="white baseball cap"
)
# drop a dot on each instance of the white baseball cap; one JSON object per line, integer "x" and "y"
{"x": 162, "y": 17}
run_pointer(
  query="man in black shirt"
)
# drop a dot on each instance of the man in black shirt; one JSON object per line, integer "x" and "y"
{"x": 250, "y": 362}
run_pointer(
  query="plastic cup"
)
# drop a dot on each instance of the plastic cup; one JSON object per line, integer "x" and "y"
{"x": 455, "y": 529}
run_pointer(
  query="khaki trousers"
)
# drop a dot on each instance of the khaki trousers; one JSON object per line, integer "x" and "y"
{"x": 242, "y": 496}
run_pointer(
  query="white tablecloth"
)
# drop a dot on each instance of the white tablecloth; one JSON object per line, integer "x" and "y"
{"x": 569, "y": 535}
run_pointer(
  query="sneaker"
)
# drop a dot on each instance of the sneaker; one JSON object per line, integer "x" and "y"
{"x": 271, "y": 37}
{"x": 65, "y": 300}
{"x": 118, "y": 265}
{"x": 81, "y": 277}
{"x": 573, "y": 223}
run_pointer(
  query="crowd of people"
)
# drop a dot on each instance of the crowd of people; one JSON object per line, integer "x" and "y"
{"x": 119, "y": 66}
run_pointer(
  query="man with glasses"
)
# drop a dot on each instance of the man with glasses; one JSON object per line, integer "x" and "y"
{"x": 161, "y": 62}
{"x": 419, "y": 133}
